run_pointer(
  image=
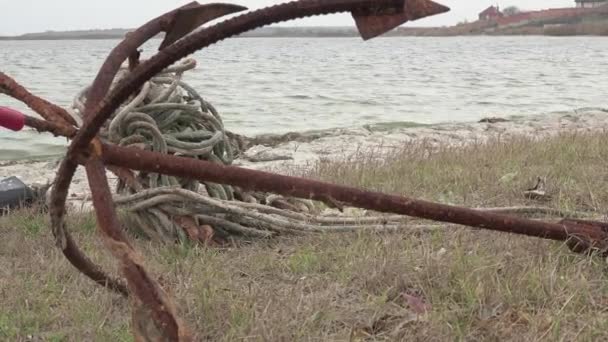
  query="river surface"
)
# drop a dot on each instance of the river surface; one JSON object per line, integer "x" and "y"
{"x": 277, "y": 85}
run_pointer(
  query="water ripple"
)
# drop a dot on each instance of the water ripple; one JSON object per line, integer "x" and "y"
{"x": 280, "y": 85}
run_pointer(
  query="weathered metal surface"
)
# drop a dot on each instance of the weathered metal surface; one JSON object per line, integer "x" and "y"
{"x": 309, "y": 189}
{"x": 188, "y": 19}
{"x": 43, "y": 126}
{"x": 95, "y": 94}
{"x": 580, "y": 234}
{"x": 100, "y": 105}
{"x": 82, "y": 263}
{"x": 118, "y": 55}
{"x": 55, "y": 125}
{"x": 41, "y": 106}
{"x": 68, "y": 166}
{"x": 379, "y": 21}
{"x": 586, "y": 236}
{"x": 195, "y": 41}
{"x": 68, "y": 246}
{"x": 154, "y": 316}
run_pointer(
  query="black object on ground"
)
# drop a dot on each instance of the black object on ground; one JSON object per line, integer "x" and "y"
{"x": 14, "y": 193}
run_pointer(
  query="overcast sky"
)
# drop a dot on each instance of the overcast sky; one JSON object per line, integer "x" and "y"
{"x": 25, "y": 16}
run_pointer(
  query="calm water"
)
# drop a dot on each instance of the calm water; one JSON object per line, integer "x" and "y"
{"x": 280, "y": 85}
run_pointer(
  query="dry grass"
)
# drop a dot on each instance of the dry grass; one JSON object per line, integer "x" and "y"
{"x": 485, "y": 175}
{"x": 473, "y": 285}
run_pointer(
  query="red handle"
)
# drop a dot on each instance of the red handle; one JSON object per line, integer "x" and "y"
{"x": 11, "y": 119}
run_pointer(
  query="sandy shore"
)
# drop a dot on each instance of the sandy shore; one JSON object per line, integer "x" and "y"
{"x": 305, "y": 148}
{"x": 301, "y": 150}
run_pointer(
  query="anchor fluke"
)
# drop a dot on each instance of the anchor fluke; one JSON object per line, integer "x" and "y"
{"x": 190, "y": 17}
{"x": 376, "y": 22}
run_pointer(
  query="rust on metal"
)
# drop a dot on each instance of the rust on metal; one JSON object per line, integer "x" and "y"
{"x": 374, "y": 22}
{"x": 586, "y": 236}
{"x": 101, "y": 84}
{"x": 47, "y": 110}
{"x": 43, "y": 126}
{"x": 100, "y": 105}
{"x": 188, "y": 19}
{"x": 154, "y": 315}
{"x": 315, "y": 190}
{"x": 97, "y": 111}
{"x": 82, "y": 263}
{"x": 70, "y": 249}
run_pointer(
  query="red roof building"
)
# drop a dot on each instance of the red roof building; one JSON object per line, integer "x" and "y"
{"x": 490, "y": 13}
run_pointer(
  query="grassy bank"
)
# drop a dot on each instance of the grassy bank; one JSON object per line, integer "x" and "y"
{"x": 448, "y": 283}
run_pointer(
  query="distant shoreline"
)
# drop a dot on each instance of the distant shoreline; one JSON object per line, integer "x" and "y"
{"x": 265, "y": 32}
{"x": 550, "y": 22}
{"x": 597, "y": 27}
{"x": 17, "y": 39}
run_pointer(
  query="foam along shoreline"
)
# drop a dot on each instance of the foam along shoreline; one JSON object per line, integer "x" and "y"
{"x": 286, "y": 153}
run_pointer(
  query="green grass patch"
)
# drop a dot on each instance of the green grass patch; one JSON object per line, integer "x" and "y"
{"x": 476, "y": 285}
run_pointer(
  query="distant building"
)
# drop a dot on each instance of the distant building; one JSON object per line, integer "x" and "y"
{"x": 493, "y": 12}
{"x": 590, "y": 3}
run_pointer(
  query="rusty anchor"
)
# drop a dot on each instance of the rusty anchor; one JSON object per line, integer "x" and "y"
{"x": 153, "y": 313}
